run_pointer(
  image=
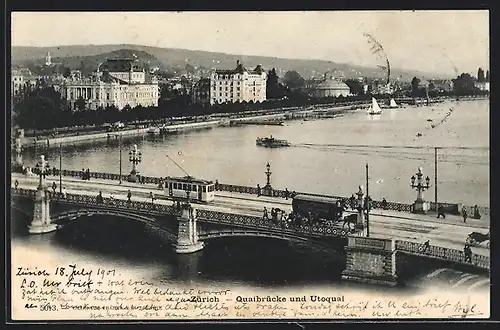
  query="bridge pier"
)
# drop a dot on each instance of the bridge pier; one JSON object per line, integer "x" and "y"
{"x": 187, "y": 232}
{"x": 41, "y": 222}
{"x": 371, "y": 260}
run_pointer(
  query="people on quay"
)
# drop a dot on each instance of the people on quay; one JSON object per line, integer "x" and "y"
{"x": 64, "y": 194}
{"x": 384, "y": 204}
{"x": 216, "y": 184}
{"x": 54, "y": 170}
{"x": 258, "y": 190}
{"x": 54, "y": 187}
{"x": 99, "y": 198}
{"x": 265, "y": 215}
{"x": 87, "y": 174}
{"x": 464, "y": 213}
{"x": 477, "y": 215}
{"x": 152, "y": 197}
{"x": 82, "y": 174}
{"x": 129, "y": 196}
{"x": 441, "y": 212}
{"x": 16, "y": 184}
{"x": 287, "y": 193}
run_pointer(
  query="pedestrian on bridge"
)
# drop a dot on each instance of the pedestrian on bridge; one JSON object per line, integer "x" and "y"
{"x": 54, "y": 187}
{"x": 64, "y": 192}
{"x": 464, "y": 213}
{"x": 426, "y": 245}
{"x": 477, "y": 215}
{"x": 384, "y": 204}
{"x": 287, "y": 193}
{"x": 129, "y": 195}
{"x": 441, "y": 212}
{"x": 88, "y": 174}
{"x": 152, "y": 197}
{"x": 99, "y": 198}
{"x": 265, "y": 215}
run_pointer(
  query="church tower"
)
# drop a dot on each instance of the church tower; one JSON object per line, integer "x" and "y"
{"x": 48, "y": 59}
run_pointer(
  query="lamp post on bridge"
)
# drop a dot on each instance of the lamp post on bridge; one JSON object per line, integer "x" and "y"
{"x": 420, "y": 205}
{"x": 135, "y": 157}
{"x": 360, "y": 220}
{"x": 42, "y": 169}
{"x": 268, "y": 190}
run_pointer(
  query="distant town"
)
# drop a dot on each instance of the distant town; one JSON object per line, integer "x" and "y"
{"x": 50, "y": 94}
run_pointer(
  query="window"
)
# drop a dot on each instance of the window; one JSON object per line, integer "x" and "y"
{"x": 238, "y": 94}
{"x": 204, "y": 189}
{"x": 238, "y": 88}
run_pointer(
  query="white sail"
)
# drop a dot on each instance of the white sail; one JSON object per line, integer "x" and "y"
{"x": 393, "y": 104}
{"x": 374, "y": 108}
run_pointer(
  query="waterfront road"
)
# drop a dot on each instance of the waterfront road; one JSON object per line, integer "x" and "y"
{"x": 450, "y": 232}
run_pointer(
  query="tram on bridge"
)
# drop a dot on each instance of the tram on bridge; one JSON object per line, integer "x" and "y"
{"x": 197, "y": 189}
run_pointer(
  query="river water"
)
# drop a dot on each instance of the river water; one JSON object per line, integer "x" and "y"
{"x": 327, "y": 156}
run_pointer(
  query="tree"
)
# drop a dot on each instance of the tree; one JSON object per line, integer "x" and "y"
{"x": 355, "y": 86}
{"x": 293, "y": 80}
{"x": 464, "y": 84}
{"x": 66, "y": 72}
{"x": 272, "y": 85}
{"x": 480, "y": 75}
{"x": 80, "y": 104}
{"x": 415, "y": 82}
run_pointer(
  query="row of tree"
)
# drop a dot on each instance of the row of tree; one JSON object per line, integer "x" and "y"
{"x": 481, "y": 76}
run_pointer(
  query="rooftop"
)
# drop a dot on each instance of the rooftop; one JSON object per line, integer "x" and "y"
{"x": 240, "y": 69}
{"x": 120, "y": 65}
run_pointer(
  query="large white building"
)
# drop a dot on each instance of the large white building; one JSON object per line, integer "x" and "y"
{"x": 238, "y": 85}
{"x": 118, "y": 82}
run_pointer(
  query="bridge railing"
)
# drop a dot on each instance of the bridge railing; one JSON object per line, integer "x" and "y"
{"x": 451, "y": 208}
{"x": 443, "y": 253}
{"x": 259, "y": 222}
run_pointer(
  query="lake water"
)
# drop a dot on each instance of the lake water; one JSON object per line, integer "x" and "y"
{"x": 326, "y": 157}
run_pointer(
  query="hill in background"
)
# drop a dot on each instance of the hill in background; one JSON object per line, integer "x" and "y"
{"x": 172, "y": 58}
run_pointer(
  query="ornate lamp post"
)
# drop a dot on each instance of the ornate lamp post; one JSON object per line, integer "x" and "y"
{"x": 268, "y": 190}
{"x": 135, "y": 157}
{"x": 42, "y": 169}
{"x": 360, "y": 219}
{"x": 420, "y": 205}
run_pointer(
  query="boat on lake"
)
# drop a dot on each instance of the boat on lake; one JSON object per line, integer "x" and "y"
{"x": 393, "y": 104}
{"x": 374, "y": 109}
{"x": 271, "y": 142}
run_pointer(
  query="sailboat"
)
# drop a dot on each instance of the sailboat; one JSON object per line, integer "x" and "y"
{"x": 393, "y": 104}
{"x": 374, "y": 109}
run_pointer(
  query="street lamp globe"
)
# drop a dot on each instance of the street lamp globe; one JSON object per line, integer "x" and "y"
{"x": 412, "y": 180}
{"x": 427, "y": 181}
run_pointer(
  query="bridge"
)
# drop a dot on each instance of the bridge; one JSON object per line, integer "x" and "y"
{"x": 237, "y": 211}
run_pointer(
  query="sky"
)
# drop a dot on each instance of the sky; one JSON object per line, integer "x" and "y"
{"x": 430, "y": 41}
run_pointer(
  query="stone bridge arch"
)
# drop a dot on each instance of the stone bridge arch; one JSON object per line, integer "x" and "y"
{"x": 206, "y": 235}
{"x": 65, "y": 218}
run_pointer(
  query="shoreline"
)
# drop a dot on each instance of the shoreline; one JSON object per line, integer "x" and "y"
{"x": 258, "y": 117}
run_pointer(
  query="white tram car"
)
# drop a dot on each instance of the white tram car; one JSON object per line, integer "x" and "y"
{"x": 199, "y": 190}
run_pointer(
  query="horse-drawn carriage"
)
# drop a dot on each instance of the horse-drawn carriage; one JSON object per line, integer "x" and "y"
{"x": 478, "y": 239}
{"x": 322, "y": 209}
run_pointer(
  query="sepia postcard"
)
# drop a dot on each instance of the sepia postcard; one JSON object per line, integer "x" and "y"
{"x": 309, "y": 165}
